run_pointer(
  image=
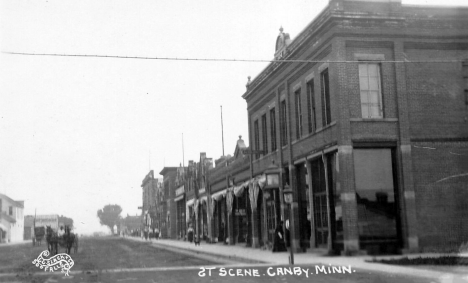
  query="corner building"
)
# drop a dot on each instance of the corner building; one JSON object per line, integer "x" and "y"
{"x": 365, "y": 112}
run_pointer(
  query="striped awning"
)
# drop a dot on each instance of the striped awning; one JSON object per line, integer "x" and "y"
{"x": 219, "y": 195}
{"x": 190, "y": 202}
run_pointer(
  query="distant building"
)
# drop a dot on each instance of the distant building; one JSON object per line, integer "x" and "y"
{"x": 150, "y": 187}
{"x": 11, "y": 220}
{"x": 179, "y": 199}
{"x": 130, "y": 225}
{"x": 166, "y": 207}
{"x": 28, "y": 227}
{"x": 51, "y": 220}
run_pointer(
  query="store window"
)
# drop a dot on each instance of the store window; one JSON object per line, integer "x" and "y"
{"x": 376, "y": 200}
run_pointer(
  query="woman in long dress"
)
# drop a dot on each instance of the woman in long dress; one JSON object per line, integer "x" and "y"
{"x": 278, "y": 244}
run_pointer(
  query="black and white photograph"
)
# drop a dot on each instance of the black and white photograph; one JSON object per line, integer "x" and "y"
{"x": 234, "y": 141}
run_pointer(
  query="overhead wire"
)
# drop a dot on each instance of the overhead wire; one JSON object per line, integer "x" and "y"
{"x": 227, "y": 59}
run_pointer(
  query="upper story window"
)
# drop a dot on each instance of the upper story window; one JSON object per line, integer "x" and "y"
{"x": 273, "y": 129}
{"x": 297, "y": 99}
{"x": 256, "y": 138}
{"x": 10, "y": 210}
{"x": 371, "y": 91}
{"x": 283, "y": 121}
{"x": 325, "y": 86}
{"x": 311, "y": 117}
{"x": 264, "y": 135}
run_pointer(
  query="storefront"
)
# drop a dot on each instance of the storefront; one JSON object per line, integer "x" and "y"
{"x": 241, "y": 214}
{"x": 219, "y": 216}
{"x": 180, "y": 212}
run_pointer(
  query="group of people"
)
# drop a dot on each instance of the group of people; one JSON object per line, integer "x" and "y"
{"x": 148, "y": 235}
{"x": 279, "y": 243}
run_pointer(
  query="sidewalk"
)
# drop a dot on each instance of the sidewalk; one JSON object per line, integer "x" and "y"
{"x": 265, "y": 257}
{"x": 16, "y": 243}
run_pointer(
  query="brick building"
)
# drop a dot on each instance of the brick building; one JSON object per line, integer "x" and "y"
{"x": 228, "y": 184}
{"x": 151, "y": 187}
{"x": 180, "y": 203}
{"x": 166, "y": 205}
{"x": 366, "y": 114}
{"x": 197, "y": 195}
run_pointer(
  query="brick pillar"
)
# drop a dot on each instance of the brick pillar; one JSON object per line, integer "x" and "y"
{"x": 311, "y": 205}
{"x": 345, "y": 180}
{"x": 231, "y": 228}
{"x": 405, "y": 162}
{"x": 294, "y": 228}
{"x": 255, "y": 240}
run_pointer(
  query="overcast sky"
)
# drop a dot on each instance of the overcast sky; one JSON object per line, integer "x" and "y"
{"x": 79, "y": 133}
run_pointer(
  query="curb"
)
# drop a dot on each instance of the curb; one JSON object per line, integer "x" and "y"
{"x": 201, "y": 252}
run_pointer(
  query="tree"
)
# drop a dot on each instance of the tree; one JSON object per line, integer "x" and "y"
{"x": 110, "y": 216}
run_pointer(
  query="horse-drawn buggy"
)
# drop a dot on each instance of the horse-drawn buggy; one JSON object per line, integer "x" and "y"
{"x": 39, "y": 233}
{"x": 62, "y": 238}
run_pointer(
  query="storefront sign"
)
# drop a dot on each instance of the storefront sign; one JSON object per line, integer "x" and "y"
{"x": 180, "y": 191}
{"x": 201, "y": 191}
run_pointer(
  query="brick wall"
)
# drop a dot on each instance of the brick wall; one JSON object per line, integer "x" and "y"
{"x": 441, "y": 193}
{"x": 436, "y": 94}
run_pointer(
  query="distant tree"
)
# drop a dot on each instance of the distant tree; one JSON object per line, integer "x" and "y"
{"x": 66, "y": 221}
{"x": 110, "y": 216}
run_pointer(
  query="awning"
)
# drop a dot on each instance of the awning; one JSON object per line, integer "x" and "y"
{"x": 203, "y": 199}
{"x": 262, "y": 181}
{"x": 238, "y": 190}
{"x": 219, "y": 195}
{"x": 3, "y": 227}
{"x": 190, "y": 202}
{"x": 7, "y": 217}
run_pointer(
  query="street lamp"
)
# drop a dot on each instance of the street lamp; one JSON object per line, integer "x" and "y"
{"x": 272, "y": 176}
{"x": 288, "y": 198}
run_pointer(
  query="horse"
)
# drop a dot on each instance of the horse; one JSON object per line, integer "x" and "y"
{"x": 68, "y": 240}
{"x": 51, "y": 239}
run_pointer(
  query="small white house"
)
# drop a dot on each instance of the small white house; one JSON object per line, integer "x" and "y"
{"x": 11, "y": 220}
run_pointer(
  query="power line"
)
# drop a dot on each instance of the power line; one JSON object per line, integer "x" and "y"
{"x": 226, "y": 60}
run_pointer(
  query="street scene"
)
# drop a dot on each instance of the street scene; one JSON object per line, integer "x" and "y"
{"x": 117, "y": 259}
{"x": 239, "y": 141}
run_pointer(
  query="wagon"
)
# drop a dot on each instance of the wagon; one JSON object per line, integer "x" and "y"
{"x": 39, "y": 233}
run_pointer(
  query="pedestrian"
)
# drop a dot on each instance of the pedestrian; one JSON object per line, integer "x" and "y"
{"x": 287, "y": 234}
{"x": 278, "y": 243}
{"x": 221, "y": 233}
{"x": 190, "y": 233}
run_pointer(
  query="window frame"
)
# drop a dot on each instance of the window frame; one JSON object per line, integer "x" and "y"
{"x": 283, "y": 123}
{"x": 325, "y": 96}
{"x": 297, "y": 104}
{"x": 380, "y": 92}
{"x": 256, "y": 138}
{"x": 273, "y": 129}
{"x": 312, "y": 118}
{"x": 264, "y": 134}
